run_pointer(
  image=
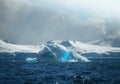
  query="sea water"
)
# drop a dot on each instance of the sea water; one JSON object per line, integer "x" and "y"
{"x": 21, "y": 72}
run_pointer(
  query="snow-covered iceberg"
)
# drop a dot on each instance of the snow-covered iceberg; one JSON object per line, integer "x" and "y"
{"x": 54, "y": 51}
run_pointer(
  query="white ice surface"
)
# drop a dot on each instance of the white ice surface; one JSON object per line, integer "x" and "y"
{"x": 11, "y": 48}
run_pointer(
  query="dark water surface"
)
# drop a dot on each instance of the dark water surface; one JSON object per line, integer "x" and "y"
{"x": 60, "y": 73}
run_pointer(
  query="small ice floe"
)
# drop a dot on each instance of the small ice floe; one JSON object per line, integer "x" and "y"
{"x": 31, "y": 60}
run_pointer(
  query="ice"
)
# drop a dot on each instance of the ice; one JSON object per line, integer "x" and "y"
{"x": 65, "y": 56}
{"x": 31, "y": 60}
{"x": 58, "y": 52}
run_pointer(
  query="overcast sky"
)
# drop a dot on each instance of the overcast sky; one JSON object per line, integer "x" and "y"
{"x": 36, "y": 21}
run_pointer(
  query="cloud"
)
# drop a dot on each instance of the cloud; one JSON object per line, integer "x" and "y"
{"x": 112, "y": 35}
{"x": 27, "y": 23}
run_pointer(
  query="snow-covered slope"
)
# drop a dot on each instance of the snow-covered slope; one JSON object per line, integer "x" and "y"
{"x": 60, "y": 51}
{"x": 11, "y": 48}
{"x": 86, "y": 48}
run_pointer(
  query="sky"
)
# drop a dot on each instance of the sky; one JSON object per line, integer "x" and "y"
{"x": 37, "y": 21}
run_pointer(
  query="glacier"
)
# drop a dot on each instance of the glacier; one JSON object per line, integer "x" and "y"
{"x": 56, "y": 51}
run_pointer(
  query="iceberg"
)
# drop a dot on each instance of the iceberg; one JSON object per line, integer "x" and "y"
{"x": 31, "y": 60}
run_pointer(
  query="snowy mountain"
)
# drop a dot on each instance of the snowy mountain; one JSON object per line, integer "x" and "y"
{"x": 12, "y": 48}
{"x": 57, "y": 51}
{"x": 107, "y": 41}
